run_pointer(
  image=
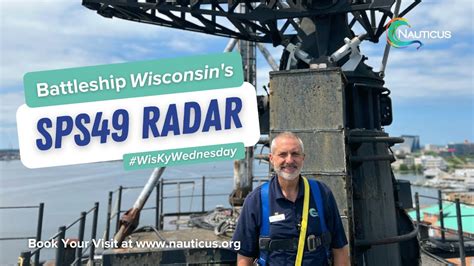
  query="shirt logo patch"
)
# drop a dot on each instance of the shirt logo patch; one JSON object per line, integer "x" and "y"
{"x": 313, "y": 212}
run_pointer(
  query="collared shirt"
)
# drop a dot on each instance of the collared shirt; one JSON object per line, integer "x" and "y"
{"x": 248, "y": 226}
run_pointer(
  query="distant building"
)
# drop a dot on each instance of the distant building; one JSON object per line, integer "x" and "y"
{"x": 432, "y": 162}
{"x": 409, "y": 161}
{"x": 418, "y": 161}
{"x": 464, "y": 173}
{"x": 432, "y": 148}
{"x": 412, "y": 141}
{"x": 461, "y": 149}
{"x": 411, "y": 144}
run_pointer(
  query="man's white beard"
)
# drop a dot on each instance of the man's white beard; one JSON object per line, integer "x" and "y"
{"x": 288, "y": 176}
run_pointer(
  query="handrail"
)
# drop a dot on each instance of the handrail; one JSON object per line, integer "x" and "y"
{"x": 388, "y": 240}
{"x": 39, "y": 226}
{"x": 462, "y": 253}
{"x": 25, "y": 257}
{"x": 436, "y": 198}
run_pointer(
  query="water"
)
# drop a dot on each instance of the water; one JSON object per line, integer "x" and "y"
{"x": 67, "y": 191}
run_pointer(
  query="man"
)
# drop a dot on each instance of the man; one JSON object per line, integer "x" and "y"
{"x": 286, "y": 200}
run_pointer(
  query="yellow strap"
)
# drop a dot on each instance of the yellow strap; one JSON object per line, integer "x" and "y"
{"x": 304, "y": 224}
{"x": 21, "y": 261}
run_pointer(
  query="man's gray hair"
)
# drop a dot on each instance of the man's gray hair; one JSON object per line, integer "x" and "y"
{"x": 287, "y": 134}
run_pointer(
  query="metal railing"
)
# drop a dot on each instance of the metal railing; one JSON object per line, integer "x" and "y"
{"x": 39, "y": 226}
{"x": 160, "y": 198}
{"x": 60, "y": 239}
{"x": 461, "y": 235}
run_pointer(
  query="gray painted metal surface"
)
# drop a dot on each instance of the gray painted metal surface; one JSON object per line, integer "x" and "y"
{"x": 373, "y": 201}
{"x": 311, "y": 104}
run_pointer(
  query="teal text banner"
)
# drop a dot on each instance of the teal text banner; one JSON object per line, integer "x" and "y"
{"x": 136, "y": 79}
{"x": 203, "y": 154}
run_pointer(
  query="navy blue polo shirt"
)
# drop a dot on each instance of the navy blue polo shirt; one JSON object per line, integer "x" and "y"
{"x": 248, "y": 226}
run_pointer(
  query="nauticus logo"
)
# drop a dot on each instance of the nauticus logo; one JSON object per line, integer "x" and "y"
{"x": 401, "y": 38}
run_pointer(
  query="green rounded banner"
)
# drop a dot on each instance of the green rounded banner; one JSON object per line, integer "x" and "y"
{"x": 136, "y": 79}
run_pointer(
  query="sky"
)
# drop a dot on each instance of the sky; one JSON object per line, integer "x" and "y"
{"x": 431, "y": 88}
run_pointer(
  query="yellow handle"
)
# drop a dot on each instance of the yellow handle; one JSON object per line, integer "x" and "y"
{"x": 304, "y": 224}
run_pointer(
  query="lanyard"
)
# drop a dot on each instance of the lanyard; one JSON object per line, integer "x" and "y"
{"x": 304, "y": 224}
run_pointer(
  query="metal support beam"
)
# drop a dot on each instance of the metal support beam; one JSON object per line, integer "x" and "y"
{"x": 39, "y": 229}
{"x": 441, "y": 214}
{"x": 129, "y": 220}
{"x": 462, "y": 251}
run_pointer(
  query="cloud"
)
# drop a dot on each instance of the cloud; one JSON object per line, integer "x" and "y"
{"x": 263, "y": 78}
{"x": 454, "y": 16}
{"x": 64, "y": 34}
{"x": 430, "y": 73}
{"x": 441, "y": 66}
{"x": 9, "y": 103}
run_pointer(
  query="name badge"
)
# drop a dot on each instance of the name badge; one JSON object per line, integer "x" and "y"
{"x": 277, "y": 218}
